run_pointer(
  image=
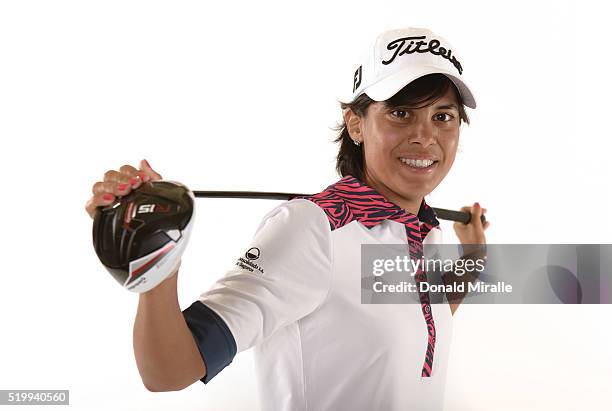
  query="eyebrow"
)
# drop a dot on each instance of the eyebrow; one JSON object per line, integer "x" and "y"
{"x": 451, "y": 106}
{"x": 447, "y": 106}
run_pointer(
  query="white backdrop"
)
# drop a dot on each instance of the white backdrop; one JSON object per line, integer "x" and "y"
{"x": 242, "y": 95}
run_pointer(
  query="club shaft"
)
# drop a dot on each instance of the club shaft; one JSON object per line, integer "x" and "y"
{"x": 451, "y": 215}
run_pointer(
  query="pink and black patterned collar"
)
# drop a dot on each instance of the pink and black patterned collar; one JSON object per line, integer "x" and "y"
{"x": 351, "y": 199}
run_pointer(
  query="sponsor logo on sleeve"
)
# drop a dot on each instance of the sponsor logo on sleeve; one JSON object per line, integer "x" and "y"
{"x": 248, "y": 261}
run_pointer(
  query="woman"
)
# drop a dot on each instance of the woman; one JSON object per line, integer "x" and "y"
{"x": 295, "y": 294}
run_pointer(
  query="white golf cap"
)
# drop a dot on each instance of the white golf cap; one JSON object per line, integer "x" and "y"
{"x": 401, "y": 56}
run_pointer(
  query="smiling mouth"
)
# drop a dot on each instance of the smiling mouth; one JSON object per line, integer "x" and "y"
{"x": 419, "y": 163}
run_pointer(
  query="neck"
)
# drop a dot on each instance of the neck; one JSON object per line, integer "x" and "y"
{"x": 411, "y": 205}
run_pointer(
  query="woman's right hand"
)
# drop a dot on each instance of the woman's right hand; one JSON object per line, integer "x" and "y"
{"x": 118, "y": 184}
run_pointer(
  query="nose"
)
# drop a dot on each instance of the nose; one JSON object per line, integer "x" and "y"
{"x": 423, "y": 132}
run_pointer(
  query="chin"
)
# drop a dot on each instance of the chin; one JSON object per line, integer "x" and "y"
{"x": 409, "y": 187}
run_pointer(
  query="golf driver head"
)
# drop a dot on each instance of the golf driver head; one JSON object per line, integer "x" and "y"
{"x": 141, "y": 238}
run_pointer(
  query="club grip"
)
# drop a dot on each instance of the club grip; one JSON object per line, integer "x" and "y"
{"x": 460, "y": 216}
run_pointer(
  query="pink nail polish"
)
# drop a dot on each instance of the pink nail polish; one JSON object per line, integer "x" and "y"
{"x": 122, "y": 186}
{"x": 133, "y": 181}
{"x": 107, "y": 197}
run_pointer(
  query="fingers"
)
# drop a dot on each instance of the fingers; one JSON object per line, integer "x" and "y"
{"x": 473, "y": 232}
{"x": 117, "y": 184}
{"x": 476, "y": 211}
{"x": 486, "y": 224}
{"x": 146, "y": 168}
{"x": 129, "y": 171}
{"x": 117, "y": 188}
{"x": 98, "y": 200}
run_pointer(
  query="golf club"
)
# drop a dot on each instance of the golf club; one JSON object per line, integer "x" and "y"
{"x": 452, "y": 215}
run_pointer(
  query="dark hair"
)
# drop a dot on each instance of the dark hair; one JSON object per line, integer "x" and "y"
{"x": 420, "y": 93}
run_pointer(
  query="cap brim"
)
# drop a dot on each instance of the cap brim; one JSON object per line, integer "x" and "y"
{"x": 389, "y": 86}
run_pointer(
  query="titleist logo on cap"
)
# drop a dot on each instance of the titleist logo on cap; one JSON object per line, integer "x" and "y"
{"x": 401, "y": 47}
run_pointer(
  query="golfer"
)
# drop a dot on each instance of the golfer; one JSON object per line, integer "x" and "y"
{"x": 294, "y": 293}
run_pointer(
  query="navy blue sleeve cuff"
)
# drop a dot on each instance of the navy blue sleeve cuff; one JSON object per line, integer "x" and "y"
{"x": 212, "y": 336}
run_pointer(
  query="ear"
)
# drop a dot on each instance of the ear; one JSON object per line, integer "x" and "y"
{"x": 354, "y": 124}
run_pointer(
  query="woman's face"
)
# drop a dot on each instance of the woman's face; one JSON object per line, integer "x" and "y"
{"x": 393, "y": 137}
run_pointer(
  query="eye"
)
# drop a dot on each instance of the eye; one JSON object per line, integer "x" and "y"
{"x": 399, "y": 113}
{"x": 444, "y": 117}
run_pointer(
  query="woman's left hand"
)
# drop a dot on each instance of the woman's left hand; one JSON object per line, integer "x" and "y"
{"x": 473, "y": 232}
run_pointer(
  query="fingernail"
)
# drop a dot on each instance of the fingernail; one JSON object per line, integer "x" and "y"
{"x": 122, "y": 186}
{"x": 107, "y": 197}
{"x": 144, "y": 176}
{"x": 133, "y": 181}
{"x": 477, "y": 205}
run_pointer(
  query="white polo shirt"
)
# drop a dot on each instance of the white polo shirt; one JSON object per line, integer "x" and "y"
{"x": 295, "y": 296}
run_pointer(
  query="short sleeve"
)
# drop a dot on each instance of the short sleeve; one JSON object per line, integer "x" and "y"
{"x": 283, "y": 275}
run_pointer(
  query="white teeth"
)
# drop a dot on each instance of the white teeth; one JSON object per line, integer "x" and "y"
{"x": 417, "y": 163}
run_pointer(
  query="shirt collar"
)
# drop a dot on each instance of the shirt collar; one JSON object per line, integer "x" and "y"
{"x": 370, "y": 208}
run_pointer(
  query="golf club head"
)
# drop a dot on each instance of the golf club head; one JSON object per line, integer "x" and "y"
{"x": 141, "y": 238}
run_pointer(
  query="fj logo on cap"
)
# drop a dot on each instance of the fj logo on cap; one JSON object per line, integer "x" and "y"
{"x": 405, "y": 45}
{"x": 357, "y": 79}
